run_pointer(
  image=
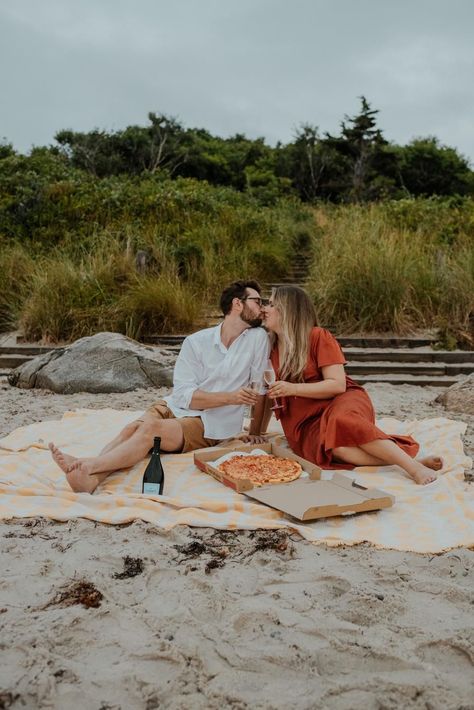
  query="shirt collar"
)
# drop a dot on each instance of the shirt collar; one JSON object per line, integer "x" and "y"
{"x": 217, "y": 340}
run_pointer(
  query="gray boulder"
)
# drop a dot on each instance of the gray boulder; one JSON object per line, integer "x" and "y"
{"x": 459, "y": 397}
{"x": 105, "y": 362}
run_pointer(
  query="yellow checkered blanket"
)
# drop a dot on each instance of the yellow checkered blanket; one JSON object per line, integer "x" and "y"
{"x": 429, "y": 518}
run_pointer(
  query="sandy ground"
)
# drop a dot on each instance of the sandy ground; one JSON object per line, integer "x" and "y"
{"x": 132, "y": 616}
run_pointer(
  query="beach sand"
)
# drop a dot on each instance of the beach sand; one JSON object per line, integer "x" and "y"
{"x": 132, "y": 616}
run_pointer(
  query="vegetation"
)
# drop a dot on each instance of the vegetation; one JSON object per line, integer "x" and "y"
{"x": 137, "y": 230}
{"x": 356, "y": 165}
{"x": 69, "y": 245}
{"x": 396, "y": 266}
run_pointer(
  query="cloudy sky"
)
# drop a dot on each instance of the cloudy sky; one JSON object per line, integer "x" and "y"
{"x": 260, "y": 67}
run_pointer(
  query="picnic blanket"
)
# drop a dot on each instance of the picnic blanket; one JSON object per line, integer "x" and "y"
{"x": 429, "y": 518}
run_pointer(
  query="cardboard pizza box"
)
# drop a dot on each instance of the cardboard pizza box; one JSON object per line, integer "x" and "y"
{"x": 203, "y": 459}
{"x": 305, "y": 499}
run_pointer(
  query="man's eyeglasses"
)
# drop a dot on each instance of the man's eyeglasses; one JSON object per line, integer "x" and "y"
{"x": 260, "y": 301}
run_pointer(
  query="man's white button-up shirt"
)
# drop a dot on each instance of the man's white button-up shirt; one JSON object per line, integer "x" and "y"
{"x": 204, "y": 363}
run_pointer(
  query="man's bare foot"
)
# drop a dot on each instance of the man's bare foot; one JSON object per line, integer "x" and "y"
{"x": 436, "y": 463}
{"x": 78, "y": 471}
{"x": 64, "y": 461}
{"x": 422, "y": 474}
{"x": 80, "y": 478}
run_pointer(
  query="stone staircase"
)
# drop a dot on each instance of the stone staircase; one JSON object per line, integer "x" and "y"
{"x": 369, "y": 359}
{"x": 297, "y": 274}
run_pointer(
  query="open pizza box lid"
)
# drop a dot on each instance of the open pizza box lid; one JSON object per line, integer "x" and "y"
{"x": 305, "y": 499}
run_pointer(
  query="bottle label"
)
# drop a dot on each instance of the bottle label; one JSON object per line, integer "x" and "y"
{"x": 152, "y": 488}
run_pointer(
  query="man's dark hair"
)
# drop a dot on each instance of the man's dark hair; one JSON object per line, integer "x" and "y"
{"x": 236, "y": 290}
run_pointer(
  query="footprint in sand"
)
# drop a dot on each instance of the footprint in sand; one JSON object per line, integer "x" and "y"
{"x": 448, "y": 656}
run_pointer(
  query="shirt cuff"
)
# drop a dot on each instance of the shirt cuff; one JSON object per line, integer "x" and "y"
{"x": 182, "y": 396}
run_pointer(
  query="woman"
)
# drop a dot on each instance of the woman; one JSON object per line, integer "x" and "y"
{"x": 327, "y": 417}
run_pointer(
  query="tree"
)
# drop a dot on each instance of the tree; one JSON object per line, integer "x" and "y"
{"x": 371, "y": 163}
{"x": 428, "y": 168}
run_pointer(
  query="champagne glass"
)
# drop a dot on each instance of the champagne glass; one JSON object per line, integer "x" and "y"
{"x": 270, "y": 378}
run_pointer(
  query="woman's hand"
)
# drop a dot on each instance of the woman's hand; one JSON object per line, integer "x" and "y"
{"x": 282, "y": 389}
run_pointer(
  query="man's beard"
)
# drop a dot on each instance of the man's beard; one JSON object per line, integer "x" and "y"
{"x": 248, "y": 317}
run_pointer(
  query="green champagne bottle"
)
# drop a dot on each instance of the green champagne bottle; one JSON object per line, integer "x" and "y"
{"x": 154, "y": 476}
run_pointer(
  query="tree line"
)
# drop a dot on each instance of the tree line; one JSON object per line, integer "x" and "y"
{"x": 355, "y": 165}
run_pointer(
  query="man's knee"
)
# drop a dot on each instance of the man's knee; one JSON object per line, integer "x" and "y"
{"x": 169, "y": 430}
{"x": 129, "y": 430}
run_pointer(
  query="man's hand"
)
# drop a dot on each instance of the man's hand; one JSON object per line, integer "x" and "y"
{"x": 252, "y": 438}
{"x": 244, "y": 395}
{"x": 282, "y": 389}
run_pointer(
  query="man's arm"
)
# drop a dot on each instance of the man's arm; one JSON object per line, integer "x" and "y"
{"x": 210, "y": 400}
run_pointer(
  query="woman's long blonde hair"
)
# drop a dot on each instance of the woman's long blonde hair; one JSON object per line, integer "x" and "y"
{"x": 297, "y": 318}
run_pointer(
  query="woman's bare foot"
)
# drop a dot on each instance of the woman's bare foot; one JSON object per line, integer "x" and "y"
{"x": 436, "y": 463}
{"x": 422, "y": 474}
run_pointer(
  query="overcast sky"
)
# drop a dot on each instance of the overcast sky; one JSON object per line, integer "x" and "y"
{"x": 260, "y": 67}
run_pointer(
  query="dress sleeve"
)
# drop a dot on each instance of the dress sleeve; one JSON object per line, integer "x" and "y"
{"x": 325, "y": 350}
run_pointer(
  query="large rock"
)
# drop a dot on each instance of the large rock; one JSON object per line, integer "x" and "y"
{"x": 459, "y": 397}
{"x": 106, "y": 362}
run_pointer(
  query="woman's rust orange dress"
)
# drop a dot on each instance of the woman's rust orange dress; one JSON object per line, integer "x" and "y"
{"x": 315, "y": 427}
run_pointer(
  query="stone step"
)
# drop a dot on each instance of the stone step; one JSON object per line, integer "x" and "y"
{"x": 290, "y": 282}
{"x": 383, "y": 341}
{"x": 12, "y": 361}
{"x": 419, "y": 380}
{"x": 408, "y": 355}
{"x": 350, "y": 341}
{"x": 392, "y": 368}
{"x": 26, "y": 349}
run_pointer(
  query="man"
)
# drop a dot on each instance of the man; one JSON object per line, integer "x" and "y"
{"x": 211, "y": 378}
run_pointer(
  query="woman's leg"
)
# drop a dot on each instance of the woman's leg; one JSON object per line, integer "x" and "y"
{"x": 355, "y": 456}
{"x": 386, "y": 452}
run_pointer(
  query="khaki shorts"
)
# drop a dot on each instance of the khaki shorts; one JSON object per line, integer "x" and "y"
{"x": 193, "y": 428}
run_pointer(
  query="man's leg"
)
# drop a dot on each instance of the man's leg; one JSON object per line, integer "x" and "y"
{"x": 85, "y": 474}
{"x": 125, "y": 434}
{"x": 64, "y": 461}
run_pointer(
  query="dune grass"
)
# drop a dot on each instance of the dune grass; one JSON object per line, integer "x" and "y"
{"x": 76, "y": 240}
{"x": 68, "y": 244}
{"x": 379, "y": 268}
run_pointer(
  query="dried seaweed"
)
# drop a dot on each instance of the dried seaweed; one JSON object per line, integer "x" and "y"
{"x": 132, "y": 566}
{"x": 80, "y": 592}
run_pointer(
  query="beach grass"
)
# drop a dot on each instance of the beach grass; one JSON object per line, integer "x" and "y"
{"x": 394, "y": 267}
{"x": 75, "y": 248}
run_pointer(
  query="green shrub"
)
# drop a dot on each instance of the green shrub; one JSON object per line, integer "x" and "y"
{"x": 370, "y": 275}
{"x": 16, "y": 267}
{"x": 157, "y": 304}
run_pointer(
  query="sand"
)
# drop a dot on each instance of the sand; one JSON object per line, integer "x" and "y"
{"x": 133, "y": 616}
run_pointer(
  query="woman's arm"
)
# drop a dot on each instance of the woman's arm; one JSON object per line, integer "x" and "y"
{"x": 332, "y": 384}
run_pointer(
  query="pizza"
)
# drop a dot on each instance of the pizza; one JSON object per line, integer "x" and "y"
{"x": 261, "y": 469}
